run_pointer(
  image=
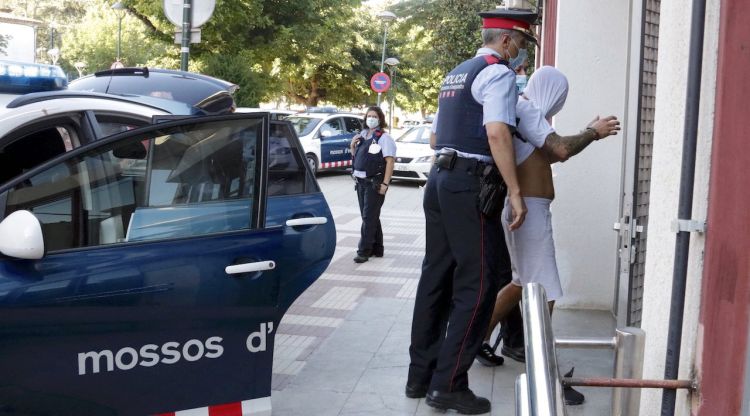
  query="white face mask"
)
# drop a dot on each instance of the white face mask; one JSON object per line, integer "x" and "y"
{"x": 372, "y": 122}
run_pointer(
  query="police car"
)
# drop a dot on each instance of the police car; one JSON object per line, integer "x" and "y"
{"x": 326, "y": 137}
{"x": 413, "y": 155}
{"x": 146, "y": 259}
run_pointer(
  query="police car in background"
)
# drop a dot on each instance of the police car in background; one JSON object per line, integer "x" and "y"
{"x": 146, "y": 259}
{"x": 325, "y": 135}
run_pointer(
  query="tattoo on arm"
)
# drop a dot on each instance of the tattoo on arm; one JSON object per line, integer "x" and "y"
{"x": 565, "y": 147}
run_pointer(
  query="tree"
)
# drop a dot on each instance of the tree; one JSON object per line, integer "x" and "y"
{"x": 93, "y": 40}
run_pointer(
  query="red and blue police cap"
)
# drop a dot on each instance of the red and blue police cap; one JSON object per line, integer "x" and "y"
{"x": 512, "y": 19}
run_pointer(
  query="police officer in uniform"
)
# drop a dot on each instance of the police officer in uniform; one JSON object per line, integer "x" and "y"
{"x": 373, "y": 150}
{"x": 461, "y": 265}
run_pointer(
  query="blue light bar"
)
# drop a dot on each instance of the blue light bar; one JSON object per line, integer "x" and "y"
{"x": 22, "y": 78}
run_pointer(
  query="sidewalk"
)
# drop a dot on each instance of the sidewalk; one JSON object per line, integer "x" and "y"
{"x": 342, "y": 349}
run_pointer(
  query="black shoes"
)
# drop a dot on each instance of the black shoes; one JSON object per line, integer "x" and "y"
{"x": 415, "y": 391}
{"x": 572, "y": 397}
{"x": 518, "y": 353}
{"x": 361, "y": 259}
{"x": 464, "y": 402}
{"x": 487, "y": 356}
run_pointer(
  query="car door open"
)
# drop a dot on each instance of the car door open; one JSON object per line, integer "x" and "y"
{"x": 161, "y": 273}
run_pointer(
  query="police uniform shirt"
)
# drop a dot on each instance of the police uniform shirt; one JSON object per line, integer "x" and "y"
{"x": 495, "y": 89}
{"x": 532, "y": 126}
{"x": 387, "y": 146}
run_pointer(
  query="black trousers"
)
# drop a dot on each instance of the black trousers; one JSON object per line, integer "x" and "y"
{"x": 371, "y": 232}
{"x": 459, "y": 281}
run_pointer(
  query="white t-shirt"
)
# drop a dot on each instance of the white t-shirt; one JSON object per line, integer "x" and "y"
{"x": 532, "y": 126}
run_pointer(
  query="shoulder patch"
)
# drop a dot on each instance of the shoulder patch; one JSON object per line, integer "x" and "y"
{"x": 491, "y": 59}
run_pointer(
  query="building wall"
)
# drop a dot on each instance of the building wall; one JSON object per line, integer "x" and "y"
{"x": 671, "y": 84}
{"x": 21, "y": 42}
{"x": 726, "y": 287}
{"x": 594, "y": 56}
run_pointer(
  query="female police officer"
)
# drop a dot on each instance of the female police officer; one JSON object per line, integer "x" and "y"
{"x": 373, "y": 150}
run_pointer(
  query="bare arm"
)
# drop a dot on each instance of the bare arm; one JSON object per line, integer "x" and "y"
{"x": 561, "y": 148}
{"x": 501, "y": 146}
{"x": 433, "y": 140}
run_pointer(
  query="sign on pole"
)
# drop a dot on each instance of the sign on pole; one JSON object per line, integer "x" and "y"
{"x": 202, "y": 11}
{"x": 380, "y": 82}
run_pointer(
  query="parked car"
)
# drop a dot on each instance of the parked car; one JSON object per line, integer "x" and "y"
{"x": 413, "y": 155}
{"x": 208, "y": 95}
{"x": 326, "y": 138}
{"x": 147, "y": 260}
{"x": 275, "y": 113}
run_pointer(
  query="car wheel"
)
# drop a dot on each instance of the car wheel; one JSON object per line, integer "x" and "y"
{"x": 312, "y": 161}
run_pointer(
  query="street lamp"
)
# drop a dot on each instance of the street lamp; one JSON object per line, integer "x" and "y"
{"x": 392, "y": 63}
{"x": 80, "y": 66}
{"x": 119, "y": 9}
{"x": 386, "y": 17}
{"x": 54, "y": 55}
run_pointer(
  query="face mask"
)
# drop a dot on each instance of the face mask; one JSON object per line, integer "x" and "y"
{"x": 372, "y": 122}
{"x": 514, "y": 63}
{"x": 521, "y": 81}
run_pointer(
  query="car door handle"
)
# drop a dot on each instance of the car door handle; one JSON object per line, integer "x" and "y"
{"x": 250, "y": 267}
{"x": 297, "y": 222}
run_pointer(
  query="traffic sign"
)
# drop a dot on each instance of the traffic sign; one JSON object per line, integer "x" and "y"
{"x": 380, "y": 82}
{"x": 202, "y": 11}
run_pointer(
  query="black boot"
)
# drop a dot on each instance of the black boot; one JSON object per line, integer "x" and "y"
{"x": 572, "y": 397}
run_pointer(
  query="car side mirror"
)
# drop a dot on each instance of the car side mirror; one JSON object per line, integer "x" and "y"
{"x": 21, "y": 236}
{"x": 326, "y": 133}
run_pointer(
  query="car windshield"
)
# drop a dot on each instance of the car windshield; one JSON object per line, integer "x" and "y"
{"x": 303, "y": 125}
{"x": 420, "y": 135}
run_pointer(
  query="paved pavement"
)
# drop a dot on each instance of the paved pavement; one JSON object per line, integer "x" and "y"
{"x": 342, "y": 348}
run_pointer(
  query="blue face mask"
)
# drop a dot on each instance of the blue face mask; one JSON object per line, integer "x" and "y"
{"x": 514, "y": 63}
{"x": 521, "y": 81}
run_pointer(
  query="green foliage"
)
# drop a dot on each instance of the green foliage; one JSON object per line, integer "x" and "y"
{"x": 94, "y": 41}
{"x": 306, "y": 51}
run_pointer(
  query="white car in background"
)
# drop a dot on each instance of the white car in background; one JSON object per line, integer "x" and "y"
{"x": 414, "y": 155}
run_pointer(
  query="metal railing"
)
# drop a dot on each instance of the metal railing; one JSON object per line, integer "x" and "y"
{"x": 539, "y": 391}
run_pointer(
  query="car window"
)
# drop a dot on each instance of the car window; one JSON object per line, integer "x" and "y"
{"x": 37, "y": 147}
{"x": 303, "y": 125}
{"x": 353, "y": 125}
{"x": 286, "y": 169}
{"x": 113, "y": 124}
{"x": 164, "y": 184}
{"x": 332, "y": 127}
{"x": 419, "y": 135}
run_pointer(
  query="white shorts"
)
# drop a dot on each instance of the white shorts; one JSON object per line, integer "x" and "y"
{"x": 531, "y": 247}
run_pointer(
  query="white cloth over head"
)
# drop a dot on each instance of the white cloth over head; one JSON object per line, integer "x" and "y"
{"x": 543, "y": 97}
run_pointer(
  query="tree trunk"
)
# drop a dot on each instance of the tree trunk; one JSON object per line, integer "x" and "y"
{"x": 313, "y": 96}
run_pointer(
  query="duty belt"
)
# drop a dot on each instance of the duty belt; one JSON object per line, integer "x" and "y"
{"x": 451, "y": 161}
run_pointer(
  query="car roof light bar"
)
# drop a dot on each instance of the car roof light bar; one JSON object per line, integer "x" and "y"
{"x": 23, "y": 77}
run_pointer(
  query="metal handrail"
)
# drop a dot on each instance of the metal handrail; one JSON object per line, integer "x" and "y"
{"x": 539, "y": 391}
{"x": 545, "y": 396}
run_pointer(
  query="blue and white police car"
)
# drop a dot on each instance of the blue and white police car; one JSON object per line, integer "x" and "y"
{"x": 326, "y": 136}
{"x": 146, "y": 259}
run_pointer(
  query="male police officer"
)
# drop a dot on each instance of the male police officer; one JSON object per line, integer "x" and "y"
{"x": 459, "y": 273}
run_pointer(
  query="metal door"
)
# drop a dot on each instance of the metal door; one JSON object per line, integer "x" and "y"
{"x": 633, "y": 222}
